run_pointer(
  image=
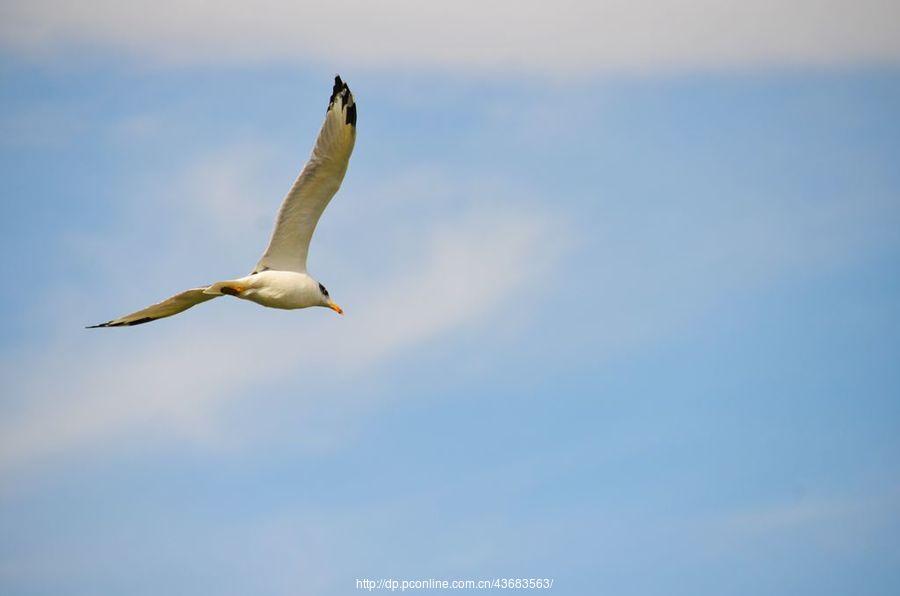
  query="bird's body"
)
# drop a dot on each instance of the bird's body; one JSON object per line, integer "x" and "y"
{"x": 276, "y": 289}
{"x": 279, "y": 279}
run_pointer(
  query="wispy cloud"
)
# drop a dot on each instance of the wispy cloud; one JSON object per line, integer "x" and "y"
{"x": 42, "y": 125}
{"x": 176, "y": 377}
{"x": 559, "y": 38}
{"x": 837, "y": 523}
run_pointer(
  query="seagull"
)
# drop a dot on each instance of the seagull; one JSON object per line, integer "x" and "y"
{"x": 279, "y": 279}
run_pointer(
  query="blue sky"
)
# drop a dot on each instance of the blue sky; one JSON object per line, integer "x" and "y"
{"x": 625, "y": 319}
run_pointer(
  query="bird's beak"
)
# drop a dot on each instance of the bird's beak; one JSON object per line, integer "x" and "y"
{"x": 336, "y": 308}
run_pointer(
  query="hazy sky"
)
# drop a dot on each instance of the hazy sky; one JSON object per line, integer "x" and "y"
{"x": 620, "y": 281}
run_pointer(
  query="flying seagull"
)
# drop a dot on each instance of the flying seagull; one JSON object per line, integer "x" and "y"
{"x": 280, "y": 279}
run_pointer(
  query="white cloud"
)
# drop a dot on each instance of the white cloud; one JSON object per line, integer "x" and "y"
{"x": 526, "y": 36}
{"x": 836, "y": 523}
{"x": 174, "y": 378}
{"x": 220, "y": 190}
{"x": 40, "y": 125}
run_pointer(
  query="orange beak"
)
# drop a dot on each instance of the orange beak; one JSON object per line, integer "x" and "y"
{"x": 336, "y": 308}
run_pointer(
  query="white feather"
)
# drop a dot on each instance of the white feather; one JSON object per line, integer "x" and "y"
{"x": 317, "y": 183}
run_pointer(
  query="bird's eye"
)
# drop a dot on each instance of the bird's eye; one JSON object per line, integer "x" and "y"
{"x": 323, "y": 290}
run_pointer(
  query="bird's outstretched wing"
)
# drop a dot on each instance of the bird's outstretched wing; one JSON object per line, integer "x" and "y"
{"x": 166, "y": 308}
{"x": 317, "y": 183}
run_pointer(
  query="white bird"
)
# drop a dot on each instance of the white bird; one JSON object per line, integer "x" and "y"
{"x": 280, "y": 279}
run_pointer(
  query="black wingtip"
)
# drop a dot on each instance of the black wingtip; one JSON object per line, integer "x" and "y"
{"x": 338, "y": 88}
{"x": 128, "y": 324}
{"x": 141, "y": 321}
{"x": 341, "y": 90}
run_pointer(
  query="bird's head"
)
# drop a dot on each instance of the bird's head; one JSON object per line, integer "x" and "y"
{"x": 326, "y": 301}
